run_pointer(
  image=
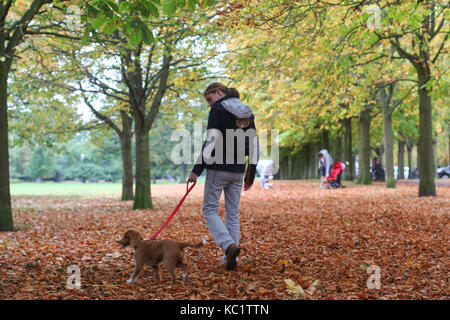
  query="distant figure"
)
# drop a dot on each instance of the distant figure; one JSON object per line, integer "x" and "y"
{"x": 377, "y": 169}
{"x": 325, "y": 165}
{"x": 265, "y": 170}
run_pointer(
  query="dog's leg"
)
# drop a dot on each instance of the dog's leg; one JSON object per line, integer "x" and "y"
{"x": 169, "y": 264}
{"x": 156, "y": 272}
{"x": 185, "y": 271}
{"x": 137, "y": 271}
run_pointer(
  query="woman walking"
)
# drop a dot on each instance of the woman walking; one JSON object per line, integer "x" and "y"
{"x": 225, "y": 165}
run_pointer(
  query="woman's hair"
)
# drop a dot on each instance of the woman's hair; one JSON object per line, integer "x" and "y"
{"x": 217, "y": 85}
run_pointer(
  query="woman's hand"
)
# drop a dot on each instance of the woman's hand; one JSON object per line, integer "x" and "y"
{"x": 192, "y": 177}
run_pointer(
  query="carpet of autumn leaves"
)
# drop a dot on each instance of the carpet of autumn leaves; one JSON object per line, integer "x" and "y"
{"x": 294, "y": 231}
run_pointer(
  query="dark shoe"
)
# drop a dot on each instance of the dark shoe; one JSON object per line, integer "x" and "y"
{"x": 232, "y": 253}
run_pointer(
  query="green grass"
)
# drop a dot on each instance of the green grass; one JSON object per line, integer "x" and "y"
{"x": 72, "y": 188}
{"x": 65, "y": 188}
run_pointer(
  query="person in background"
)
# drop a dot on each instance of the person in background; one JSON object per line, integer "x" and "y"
{"x": 325, "y": 165}
{"x": 265, "y": 169}
{"x": 378, "y": 170}
{"x": 344, "y": 165}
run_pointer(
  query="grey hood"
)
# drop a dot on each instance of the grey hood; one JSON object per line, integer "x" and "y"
{"x": 236, "y": 107}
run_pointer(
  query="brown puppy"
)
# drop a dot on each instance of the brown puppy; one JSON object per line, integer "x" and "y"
{"x": 153, "y": 252}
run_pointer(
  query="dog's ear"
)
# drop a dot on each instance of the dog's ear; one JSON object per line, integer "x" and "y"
{"x": 129, "y": 233}
{"x": 126, "y": 236}
{"x": 134, "y": 238}
{"x": 125, "y": 240}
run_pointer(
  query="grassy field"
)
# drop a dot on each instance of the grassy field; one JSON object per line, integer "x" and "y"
{"x": 72, "y": 188}
{"x": 79, "y": 189}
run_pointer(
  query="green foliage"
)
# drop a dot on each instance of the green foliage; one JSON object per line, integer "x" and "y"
{"x": 39, "y": 114}
{"x": 80, "y": 159}
{"x": 42, "y": 165}
{"x": 130, "y": 16}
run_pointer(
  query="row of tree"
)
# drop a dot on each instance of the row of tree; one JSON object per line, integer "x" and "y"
{"x": 321, "y": 69}
{"x": 122, "y": 59}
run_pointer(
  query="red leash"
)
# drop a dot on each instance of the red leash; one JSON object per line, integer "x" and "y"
{"x": 188, "y": 189}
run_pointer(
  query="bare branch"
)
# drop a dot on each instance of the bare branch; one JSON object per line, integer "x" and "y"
{"x": 102, "y": 116}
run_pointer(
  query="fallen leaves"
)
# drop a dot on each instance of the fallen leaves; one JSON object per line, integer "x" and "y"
{"x": 321, "y": 240}
{"x": 110, "y": 256}
{"x": 297, "y": 290}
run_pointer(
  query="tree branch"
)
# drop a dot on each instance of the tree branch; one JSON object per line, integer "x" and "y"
{"x": 101, "y": 116}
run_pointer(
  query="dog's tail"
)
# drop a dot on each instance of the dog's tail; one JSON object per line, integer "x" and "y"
{"x": 193, "y": 245}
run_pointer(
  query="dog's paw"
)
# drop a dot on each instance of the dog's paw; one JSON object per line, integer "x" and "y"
{"x": 185, "y": 277}
{"x": 204, "y": 241}
{"x": 130, "y": 281}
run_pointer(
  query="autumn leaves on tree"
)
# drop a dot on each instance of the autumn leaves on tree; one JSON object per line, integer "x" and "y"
{"x": 320, "y": 65}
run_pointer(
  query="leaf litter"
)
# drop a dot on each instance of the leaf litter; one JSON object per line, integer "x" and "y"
{"x": 293, "y": 237}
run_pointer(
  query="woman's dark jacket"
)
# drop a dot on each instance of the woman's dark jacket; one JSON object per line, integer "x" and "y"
{"x": 223, "y": 116}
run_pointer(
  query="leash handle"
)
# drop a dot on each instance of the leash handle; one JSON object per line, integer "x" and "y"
{"x": 188, "y": 189}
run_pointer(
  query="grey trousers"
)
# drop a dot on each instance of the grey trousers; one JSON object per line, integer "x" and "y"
{"x": 226, "y": 233}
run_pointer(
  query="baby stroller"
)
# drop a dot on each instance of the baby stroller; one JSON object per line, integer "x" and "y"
{"x": 335, "y": 177}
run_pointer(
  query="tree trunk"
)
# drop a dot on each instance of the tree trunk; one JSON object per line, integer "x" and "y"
{"x": 142, "y": 197}
{"x": 6, "y": 220}
{"x": 388, "y": 137}
{"x": 339, "y": 151}
{"x": 305, "y": 164}
{"x": 401, "y": 159}
{"x": 409, "y": 148}
{"x": 348, "y": 155}
{"x": 336, "y": 148}
{"x": 427, "y": 169}
{"x": 302, "y": 165}
{"x": 183, "y": 177}
{"x": 298, "y": 167}
{"x": 305, "y": 158}
{"x": 417, "y": 157}
{"x": 364, "y": 146}
{"x": 312, "y": 161}
{"x": 127, "y": 159}
{"x": 284, "y": 173}
{"x": 280, "y": 174}
{"x": 289, "y": 167}
{"x": 435, "y": 157}
{"x": 127, "y": 168}
{"x": 389, "y": 151}
{"x": 326, "y": 140}
{"x": 125, "y": 136}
